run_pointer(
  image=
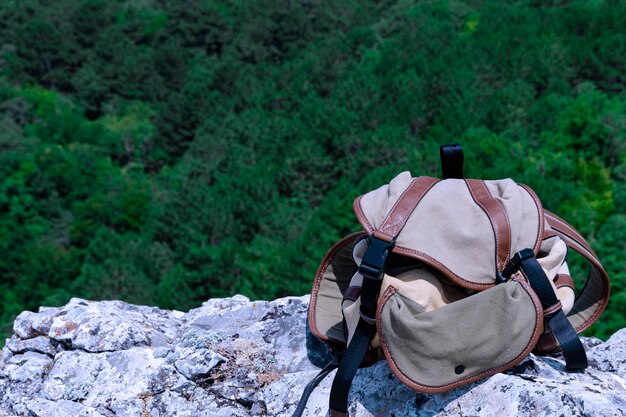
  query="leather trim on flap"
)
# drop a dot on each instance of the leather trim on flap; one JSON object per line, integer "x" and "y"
{"x": 494, "y": 210}
{"x": 426, "y": 211}
{"x": 594, "y": 297}
{"x": 404, "y": 207}
{"x": 540, "y": 213}
{"x": 431, "y": 389}
{"x": 562, "y": 226}
{"x": 348, "y": 240}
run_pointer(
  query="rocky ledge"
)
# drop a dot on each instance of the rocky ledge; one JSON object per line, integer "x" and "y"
{"x": 233, "y": 357}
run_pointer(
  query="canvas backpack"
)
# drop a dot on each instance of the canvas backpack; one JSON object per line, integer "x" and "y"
{"x": 451, "y": 280}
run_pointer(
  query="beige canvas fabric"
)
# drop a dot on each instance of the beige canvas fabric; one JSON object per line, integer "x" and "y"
{"x": 551, "y": 257}
{"x": 431, "y": 351}
{"x": 432, "y": 291}
{"x": 594, "y": 296}
{"x": 441, "y": 322}
{"x": 351, "y": 307}
{"x": 332, "y": 279}
{"x": 450, "y": 230}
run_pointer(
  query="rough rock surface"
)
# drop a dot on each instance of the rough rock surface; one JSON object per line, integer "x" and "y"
{"x": 233, "y": 357}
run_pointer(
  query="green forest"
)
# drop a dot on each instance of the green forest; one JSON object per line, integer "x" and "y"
{"x": 165, "y": 152}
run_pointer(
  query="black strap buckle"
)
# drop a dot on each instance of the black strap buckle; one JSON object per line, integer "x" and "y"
{"x": 375, "y": 258}
{"x": 514, "y": 265}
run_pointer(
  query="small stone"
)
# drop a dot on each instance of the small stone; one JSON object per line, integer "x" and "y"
{"x": 39, "y": 344}
{"x": 110, "y": 326}
{"x": 28, "y": 367}
{"x": 198, "y": 364}
{"x": 40, "y": 407}
{"x": 23, "y": 325}
{"x": 29, "y": 324}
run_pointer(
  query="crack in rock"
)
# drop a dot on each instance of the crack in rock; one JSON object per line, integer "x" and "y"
{"x": 233, "y": 357}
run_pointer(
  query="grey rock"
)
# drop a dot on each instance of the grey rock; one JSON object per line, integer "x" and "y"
{"x": 611, "y": 356}
{"x": 194, "y": 364}
{"x": 233, "y": 357}
{"x": 40, "y": 407}
{"x": 108, "y": 326}
{"x": 29, "y": 324}
{"x": 40, "y": 344}
{"x": 29, "y": 368}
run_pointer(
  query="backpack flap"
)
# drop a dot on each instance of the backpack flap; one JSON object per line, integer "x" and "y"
{"x": 331, "y": 281}
{"x": 435, "y": 350}
{"x": 467, "y": 229}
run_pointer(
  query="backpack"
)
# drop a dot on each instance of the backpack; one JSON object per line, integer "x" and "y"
{"x": 451, "y": 280}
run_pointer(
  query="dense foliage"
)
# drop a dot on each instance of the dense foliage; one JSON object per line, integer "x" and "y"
{"x": 164, "y": 152}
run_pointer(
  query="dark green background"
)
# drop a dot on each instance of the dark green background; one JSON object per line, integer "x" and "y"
{"x": 165, "y": 152}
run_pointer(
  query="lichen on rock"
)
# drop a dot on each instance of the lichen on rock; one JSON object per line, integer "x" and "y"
{"x": 236, "y": 357}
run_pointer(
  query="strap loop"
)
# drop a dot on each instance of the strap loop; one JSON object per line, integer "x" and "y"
{"x": 308, "y": 390}
{"x": 573, "y": 349}
{"x": 451, "y": 161}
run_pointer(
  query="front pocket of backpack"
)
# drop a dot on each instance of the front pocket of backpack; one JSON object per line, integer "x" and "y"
{"x": 461, "y": 342}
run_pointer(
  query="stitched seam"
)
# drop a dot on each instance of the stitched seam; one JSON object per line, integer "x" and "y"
{"x": 540, "y": 214}
{"x": 491, "y": 221}
{"x": 318, "y": 282}
{"x": 603, "y": 302}
{"x": 406, "y": 190}
{"x": 566, "y": 226}
{"x": 586, "y": 247}
{"x": 553, "y": 308}
{"x": 361, "y": 215}
{"x": 444, "y": 269}
{"x": 414, "y": 206}
{"x": 367, "y": 319}
{"x": 604, "y": 298}
{"x": 391, "y": 225}
{"x": 508, "y": 224}
{"x": 466, "y": 380}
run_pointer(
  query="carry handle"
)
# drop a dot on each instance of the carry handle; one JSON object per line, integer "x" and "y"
{"x": 451, "y": 161}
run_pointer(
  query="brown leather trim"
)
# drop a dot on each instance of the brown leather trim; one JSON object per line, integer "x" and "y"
{"x": 404, "y": 207}
{"x": 360, "y": 215}
{"x": 383, "y": 236}
{"x": 560, "y": 225}
{"x": 538, "y": 329}
{"x": 549, "y": 234}
{"x": 318, "y": 281}
{"x": 540, "y": 214}
{"x": 334, "y": 413}
{"x": 580, "y": 245}
{"x": 547, "y": 343}
{"x": 352, "y": 293}
{"x": 498, "y": 218}
{"x": 553, "y": 308}
{"x": 563, "y": 280}
{"x": 427, "y": 259}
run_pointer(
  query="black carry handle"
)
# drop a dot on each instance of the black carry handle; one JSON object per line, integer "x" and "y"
{"x": 451, "y": 161}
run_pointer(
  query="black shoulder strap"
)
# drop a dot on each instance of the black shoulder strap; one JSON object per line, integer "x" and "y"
{"x": 308, "y": 390}
{"x": 451, "y": 161}
{"x": 573, "y": 349}
{"x": 372, "y": 268}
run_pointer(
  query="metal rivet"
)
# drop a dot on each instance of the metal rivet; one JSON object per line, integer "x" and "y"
{"x": 459, "y": 369}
